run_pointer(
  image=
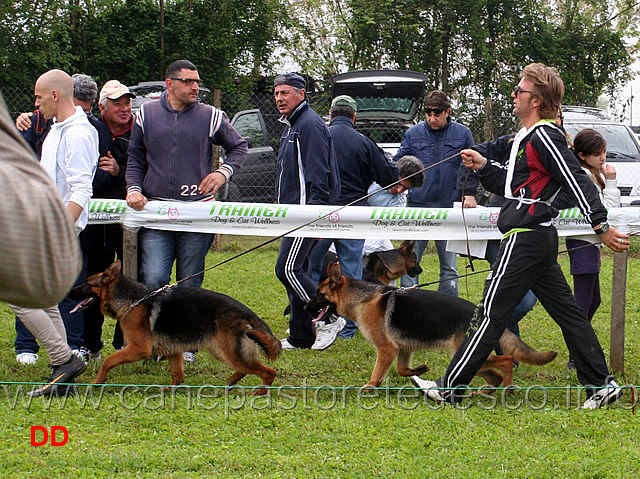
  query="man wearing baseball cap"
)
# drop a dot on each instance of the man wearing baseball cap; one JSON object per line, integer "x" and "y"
{"x": 103, "y": 243}
{"x": 307, "y": 175}
{"x": 115, "y": 112}
{"x": 360, "y": 162}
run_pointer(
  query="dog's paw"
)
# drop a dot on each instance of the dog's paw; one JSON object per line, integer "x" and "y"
{"x": 370, "y": 386}
{"x": 417, "y": 371}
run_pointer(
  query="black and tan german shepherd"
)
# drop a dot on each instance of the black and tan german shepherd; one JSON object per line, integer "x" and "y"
{"x": 398, "y": 322}
{"x": 388, "y": 266}
{"x": 177, "y": 320}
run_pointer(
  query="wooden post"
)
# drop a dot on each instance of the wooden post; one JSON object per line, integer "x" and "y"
{"x": 217, "y": 102}
{"x": 130, "y": 252}
{"x": 618, "y": 304}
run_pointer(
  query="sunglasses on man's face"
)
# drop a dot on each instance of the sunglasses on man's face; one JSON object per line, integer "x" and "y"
{"x": 518, "y": 90}
{"x": 437, "y": 111}
{"x": 188, "y": 81}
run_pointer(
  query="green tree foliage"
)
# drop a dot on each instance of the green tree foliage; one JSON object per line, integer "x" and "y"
{"x": 123, "y": 39}
{"x": 33, "y": 39}
{"x": 474, "y": 49}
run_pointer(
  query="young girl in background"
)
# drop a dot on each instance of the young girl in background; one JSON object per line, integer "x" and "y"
{"x": 584, "y": 251}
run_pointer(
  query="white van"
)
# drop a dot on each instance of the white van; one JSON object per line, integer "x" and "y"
{"x": 623, "y": 147}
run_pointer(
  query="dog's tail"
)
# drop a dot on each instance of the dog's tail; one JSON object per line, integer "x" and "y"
{"x": 270, "y": 345}
{"x": 516, "y": 347}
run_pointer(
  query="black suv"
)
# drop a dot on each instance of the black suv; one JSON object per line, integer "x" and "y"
{"x": 255, "y": 182}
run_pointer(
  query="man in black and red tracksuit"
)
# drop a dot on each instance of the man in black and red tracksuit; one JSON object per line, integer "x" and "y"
{"x": 540, "y": 163}
{"x": 307, "y": 175}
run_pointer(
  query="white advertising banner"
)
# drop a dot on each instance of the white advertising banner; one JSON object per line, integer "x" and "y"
{"x": 261, "y": 219}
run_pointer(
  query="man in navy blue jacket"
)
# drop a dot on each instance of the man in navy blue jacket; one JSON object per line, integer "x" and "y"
{"x": 103, "y": 243}
{"x": 360, "y": 162}
{"x": 432, "y": 141}
{"x": 307, "y": 175}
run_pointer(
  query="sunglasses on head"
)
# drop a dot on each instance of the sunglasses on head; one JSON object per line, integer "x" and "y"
{"x": 437, "y": 111}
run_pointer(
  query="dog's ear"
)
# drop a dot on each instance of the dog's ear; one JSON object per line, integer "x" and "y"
{"x": 407, "y": 246}
{"x": 113, "y": 270}
{"x": 334, "y": 272}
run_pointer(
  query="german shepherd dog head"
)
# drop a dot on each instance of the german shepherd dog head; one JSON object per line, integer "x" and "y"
{"x": 388, "y": 266}
{"x": 333, "y": 297}
{"x": 320, "y": 305}
{"x": 89, "y": 292}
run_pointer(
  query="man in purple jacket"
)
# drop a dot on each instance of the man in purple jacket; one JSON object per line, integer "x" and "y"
{"x": 170, "y": 158}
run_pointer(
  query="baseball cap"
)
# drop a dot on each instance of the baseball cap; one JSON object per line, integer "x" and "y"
{"x": 291, "y": 79}
{"x": 113, "y": 90}
{"x": 344, "y": 100}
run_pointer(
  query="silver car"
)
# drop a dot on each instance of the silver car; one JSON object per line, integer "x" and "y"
{"x": 623, "y": 148}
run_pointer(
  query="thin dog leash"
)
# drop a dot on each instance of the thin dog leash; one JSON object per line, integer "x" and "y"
{"x": 168, "y": 286}
{"x": 489, "y": 269}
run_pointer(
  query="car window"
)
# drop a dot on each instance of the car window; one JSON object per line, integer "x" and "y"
{"x": 620, "y": 143}
{"x": 249, "y": 125}
{"x": 401, "y": 105}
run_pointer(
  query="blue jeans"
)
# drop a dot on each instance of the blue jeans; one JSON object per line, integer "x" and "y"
{"x": 448, "y": 268}
{"x": 159, "y": 249}
{"x": 349, "y": 253}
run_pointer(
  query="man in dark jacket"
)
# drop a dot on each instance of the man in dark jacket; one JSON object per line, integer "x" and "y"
{"x": 307, "y": 175}
{"x": 102, "y": 244}
{"x": 540, "y": 163}
{"x": 360, "y": 162}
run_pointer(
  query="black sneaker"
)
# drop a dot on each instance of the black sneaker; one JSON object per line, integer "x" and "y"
{"x": 64, "y": 373}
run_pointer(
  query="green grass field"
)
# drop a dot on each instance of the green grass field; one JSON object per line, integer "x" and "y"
{"x": 317, "y": 423}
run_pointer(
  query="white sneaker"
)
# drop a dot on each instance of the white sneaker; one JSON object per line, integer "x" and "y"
{"x": 89, "y": 356}
{"x": 78, "y": 353}
{"x": 27, "y": 358}
{"x": 430, "y": 388}
{"x": 189, "y": 357}
{"x": 287, "y": 346}
{"x": 603, "y": 397}
{"x": 326, "y": 333}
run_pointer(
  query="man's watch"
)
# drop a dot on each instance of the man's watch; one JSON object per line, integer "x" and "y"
{"x": 601, "y": 228}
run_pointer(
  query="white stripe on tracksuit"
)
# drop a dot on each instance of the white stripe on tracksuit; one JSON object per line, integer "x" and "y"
{"x": 498, "y": 274}
{"x": 289, "y": 270}
{"x": 583, "y": 204}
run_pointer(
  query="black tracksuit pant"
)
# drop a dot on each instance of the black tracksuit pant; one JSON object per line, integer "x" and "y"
{"x": 293, "y": 270}
{"x": 527, "y": 260}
